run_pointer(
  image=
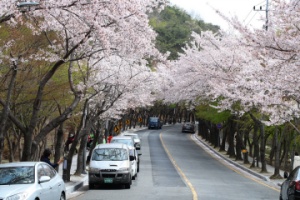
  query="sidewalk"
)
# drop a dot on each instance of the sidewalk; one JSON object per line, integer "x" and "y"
{"x": 76, "y": 182}
{"x": 244, "y": 167}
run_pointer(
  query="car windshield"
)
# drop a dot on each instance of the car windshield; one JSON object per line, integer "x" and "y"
{"x": 128, "y": 142}
{"x": 112, "y": 154}
{"x": 16, "y": 175}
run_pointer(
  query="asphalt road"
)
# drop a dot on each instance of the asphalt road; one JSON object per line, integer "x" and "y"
{"x": 174, "y": 167}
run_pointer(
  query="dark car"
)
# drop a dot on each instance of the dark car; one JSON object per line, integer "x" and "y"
{"x": 188, "y": 128}
{"x": 290, "y": 188}
{"x": 155, "y": 123}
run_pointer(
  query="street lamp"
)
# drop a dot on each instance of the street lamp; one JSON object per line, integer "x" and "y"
{"x": 24, "y": 5}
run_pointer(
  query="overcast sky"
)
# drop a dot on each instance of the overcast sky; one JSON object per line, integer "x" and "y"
{"x": 243, "y": 9}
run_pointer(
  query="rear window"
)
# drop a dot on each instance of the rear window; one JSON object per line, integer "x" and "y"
{"x": 128, "y": 142}
{"x": 153, "y": 119}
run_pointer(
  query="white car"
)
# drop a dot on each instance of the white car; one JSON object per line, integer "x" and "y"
{"x": 110, "y": 165}
{"x": 31, "y": 181}
{"x": 136, "y": 139}
{"x": 130, "y": 143}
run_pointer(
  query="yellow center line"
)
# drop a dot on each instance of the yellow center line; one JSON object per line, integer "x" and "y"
{"x": 195, "y": 196}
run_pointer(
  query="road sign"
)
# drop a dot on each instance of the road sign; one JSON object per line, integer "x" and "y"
{"x": 116, "y": 129}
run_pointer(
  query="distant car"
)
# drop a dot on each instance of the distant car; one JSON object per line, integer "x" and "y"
{"x": 136, "y": 139}
{"x": 290, "y": 188}
{"x": 154, "y": 123}
{"x": 188, "y": 128}
{"x": 128, "y": 140}
{"x": 30, "y": 181}
{"x": 111, "y": 165}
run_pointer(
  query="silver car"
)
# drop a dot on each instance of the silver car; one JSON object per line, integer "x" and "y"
{"x": 136, "y": 139}
{"x": 30, "y": 181}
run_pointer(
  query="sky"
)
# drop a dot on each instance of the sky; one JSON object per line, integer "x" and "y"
{"x": 243, "y": 9}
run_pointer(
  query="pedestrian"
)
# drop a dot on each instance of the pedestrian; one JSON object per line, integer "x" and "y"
{"x": 296, "y": 160}
{"x": 69, "y": 141}
{"x": 109, "y": 138}
{"x": 46, "y": 158}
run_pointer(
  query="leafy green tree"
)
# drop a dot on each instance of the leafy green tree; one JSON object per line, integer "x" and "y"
{"x": 174, "y": 27}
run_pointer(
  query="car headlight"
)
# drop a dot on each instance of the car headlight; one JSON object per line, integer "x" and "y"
{"x": 124, "y": 169}
{"x": 19, "y": 196}
{"x": 94, "y": 170}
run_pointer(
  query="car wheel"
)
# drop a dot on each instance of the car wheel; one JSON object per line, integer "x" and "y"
{"x": 62, "y": 196}
{"x": 127, "y": 186}
{"x": 133, "y": 178}
{"x": 291, "y": 197}
{"x": 91, "y": 186}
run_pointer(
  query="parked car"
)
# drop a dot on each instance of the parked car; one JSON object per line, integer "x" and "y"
{"x": 188, "y": 128}
{"x": 128, "y": 140}
{"x": 30, "y": 181}
{"x": 154, "y": 123}
{"x": 290, "y": 188}
{"x": 110, "y": 165}
{"x": 136, "y": 139}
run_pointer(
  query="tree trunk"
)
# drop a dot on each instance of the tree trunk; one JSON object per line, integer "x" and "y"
{"x": 215, "y": 135}
{"x": 231, "y": 133}
{"x": 84, "y": 128}
{"x": 277, "y": 147}
{"x": 256, "y": 147}
{"x": 272, "y": 152}
{"x": 5, "y": 110}
{"x": 81, "y": 158}
{"x": 59, "y": 143}
{"x": 262, "y": 148}
{"x": 239, "y": 145}
{"x": 224, "y": 138}
{"x": 246, "y": 152}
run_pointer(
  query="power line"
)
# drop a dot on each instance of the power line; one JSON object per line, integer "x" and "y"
{"x": 251, "y": 18}
{"x": 267, "y": 10}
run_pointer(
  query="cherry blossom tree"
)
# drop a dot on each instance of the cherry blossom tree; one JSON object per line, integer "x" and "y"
{"x": 84, "y": 29}
{"x": 254, "y": 68}
{"x": 257, "y": 68}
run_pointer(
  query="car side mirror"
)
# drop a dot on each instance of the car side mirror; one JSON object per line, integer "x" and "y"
{"x": 139, "y": 153}
{"x": 131, "y": 158}
{"x": 44, "y": 179}
{"x": 137, "y": 146}
{"x": 286, "y": 174}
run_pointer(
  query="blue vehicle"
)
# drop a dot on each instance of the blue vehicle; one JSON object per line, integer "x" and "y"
{"x": 154, "y": 123}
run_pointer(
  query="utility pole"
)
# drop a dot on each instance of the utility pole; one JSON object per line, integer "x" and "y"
{"x": 267, "y": 11}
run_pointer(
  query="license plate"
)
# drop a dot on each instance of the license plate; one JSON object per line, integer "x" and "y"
{"x": 108, "y": 180}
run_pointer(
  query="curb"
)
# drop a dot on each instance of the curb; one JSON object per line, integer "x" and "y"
{"x": 232, "y": 162}
{"x": 77, "y": 185}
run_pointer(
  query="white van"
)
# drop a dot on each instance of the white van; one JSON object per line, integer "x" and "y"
{"x": 128, "y": 140}
{"x": 110, "y": 164}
